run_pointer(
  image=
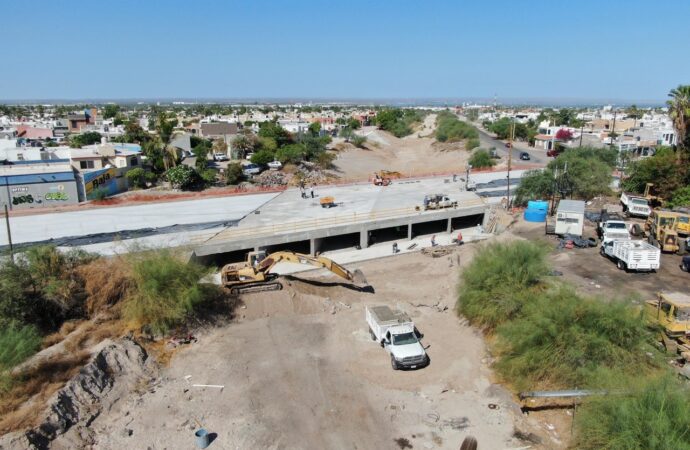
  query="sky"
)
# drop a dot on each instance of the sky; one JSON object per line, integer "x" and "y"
{"x": 619, "y": 50}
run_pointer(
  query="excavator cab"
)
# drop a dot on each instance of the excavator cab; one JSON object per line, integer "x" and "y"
{"x": 254, "y": 258}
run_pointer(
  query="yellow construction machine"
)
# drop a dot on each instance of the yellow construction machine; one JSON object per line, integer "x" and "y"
{"x": 671, "y": 312}
{"x": 256, "y": 274}
{"x": 660, "y": 228}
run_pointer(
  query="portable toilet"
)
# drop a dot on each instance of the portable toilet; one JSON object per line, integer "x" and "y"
{"x": 570, "y": 217}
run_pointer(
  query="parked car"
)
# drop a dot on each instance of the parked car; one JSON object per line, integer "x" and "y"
{"x": 220, "y": 157}
{"x": 685, "y": 263}
{"x": 275, "y": 165}
{"x": 251, "y": 169}
{"x": 524, "y": 156}
{"x": 509, "y": 145}
{"x": 493, "y": 153}
{"x": 553, "y": 153}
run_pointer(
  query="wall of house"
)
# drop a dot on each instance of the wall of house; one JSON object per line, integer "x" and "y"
{"x": 39, "y": 195}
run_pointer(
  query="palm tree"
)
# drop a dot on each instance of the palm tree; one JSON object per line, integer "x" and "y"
{"x": 679, "y": 110}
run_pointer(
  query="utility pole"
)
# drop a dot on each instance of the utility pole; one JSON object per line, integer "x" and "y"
{"x": 510, "y": 158}
{"x": 614, "y": 128}
{"x": 9, "y": 233}
{"x": 582, "y": 130}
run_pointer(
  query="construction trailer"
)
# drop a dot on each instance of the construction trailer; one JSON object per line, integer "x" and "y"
{"x": 570, "y": 217}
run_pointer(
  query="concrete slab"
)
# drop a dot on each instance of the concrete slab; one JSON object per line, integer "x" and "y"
{"x": 40, "y": 227}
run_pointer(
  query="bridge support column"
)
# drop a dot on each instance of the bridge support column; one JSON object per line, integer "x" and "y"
{"x": 449, "y": 228}
{"x": 364, "y": 238}
{"x": 315, "y": 245}
{"x": 409, "y": 231}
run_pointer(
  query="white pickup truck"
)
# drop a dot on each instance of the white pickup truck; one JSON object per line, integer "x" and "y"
{"x": 634, "y": 205}
{"x": 614, "y": 230}
{"x": 639, "y": 256}
{"x": 396, "y": 332}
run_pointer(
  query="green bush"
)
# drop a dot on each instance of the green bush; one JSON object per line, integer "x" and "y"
{"x": 183, "y": 177}
{"x": 473, "y": 143}
{"x": 358, "y": 141}
{"x": 450, "y": 129}
{"x": 501, "y": 279}
{"x": 165, "y": 290}
{"x": 233, "y": 173}
{"x": 136, "y": 177}
{"x": 565, "y": 340}
{"x": 17, "y": 343}
{"x": 325, "y": 160}
{"x": 209, "y": 176}
{"x": 100, "y": 194}
{"x": 263, "y": 157}
{"x": 655, "y": 415}
{"x": 293, "y": 153}
{"x": 480, "y": 159}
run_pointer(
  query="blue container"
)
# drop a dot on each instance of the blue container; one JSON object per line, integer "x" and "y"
{"x": 540, "y": 205}
{"x": 535, "y": 215}
{"x": 202, "y": 440}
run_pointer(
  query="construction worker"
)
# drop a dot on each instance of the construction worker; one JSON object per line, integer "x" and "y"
{"x": 433, "y": 241}
{"x": 459, "y": 239}
{"x": 395, "y": 248}
{"x": 311, "y": 191}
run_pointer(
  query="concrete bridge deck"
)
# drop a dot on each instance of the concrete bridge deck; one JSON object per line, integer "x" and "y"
{"x": 362, "y": 212}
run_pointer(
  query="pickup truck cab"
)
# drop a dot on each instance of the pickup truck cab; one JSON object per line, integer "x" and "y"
{"x": 251, "y": 169}
{"x": 396, "y": 333}
{"x": 614, "y": 229}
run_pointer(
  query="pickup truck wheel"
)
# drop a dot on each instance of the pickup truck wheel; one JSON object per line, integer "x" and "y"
{"x": 684, "y": 266}
{"x": 371, "y": 333}
{"x": 394, "y": 363}
{"x": 620, "y": 264}
{"x": 601, "y": 251}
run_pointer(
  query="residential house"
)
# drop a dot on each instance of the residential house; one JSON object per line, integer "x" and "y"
{"x": 103, "y": 167}
{"x": 218, "y": 130}
{"x": 41, "y": 184}
{"x": 78, "y": 121}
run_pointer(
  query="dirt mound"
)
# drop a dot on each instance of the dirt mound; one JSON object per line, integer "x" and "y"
{"x": 112, "y": 373}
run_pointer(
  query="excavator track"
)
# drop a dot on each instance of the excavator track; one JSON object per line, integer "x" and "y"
{"x": 256, "y": 287}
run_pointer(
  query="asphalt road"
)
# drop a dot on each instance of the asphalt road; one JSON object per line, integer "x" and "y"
{"x": 537, "y": 156}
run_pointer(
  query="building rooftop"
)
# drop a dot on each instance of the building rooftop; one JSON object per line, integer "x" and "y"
{"x": 575, "y": 206}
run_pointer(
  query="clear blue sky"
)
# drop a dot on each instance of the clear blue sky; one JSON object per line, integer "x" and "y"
{"x": 590, "y": 49}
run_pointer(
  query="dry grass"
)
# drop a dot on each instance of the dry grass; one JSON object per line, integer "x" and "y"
{"x": 66, "y": 328}
{"x": 106, "y": 282}
{"x": 19, "y": 406}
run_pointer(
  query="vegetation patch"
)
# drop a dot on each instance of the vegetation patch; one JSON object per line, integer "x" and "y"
{"x": 451, "y": 129}
{"x": 399, "y": 122}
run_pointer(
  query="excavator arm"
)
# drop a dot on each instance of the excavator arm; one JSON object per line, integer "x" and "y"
{"x": 269, "y": 262}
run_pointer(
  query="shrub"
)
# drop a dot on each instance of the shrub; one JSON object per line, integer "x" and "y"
{"x": 481, "y": 158}
{"x": 450, "y": 129}
{"x": 501, "y": 279}
{"x": 325, "y": 160}
{"x": 17, "y": 343}
{"x": 136, "y": 177}
{"x": 100, "y": 194}
{"x": 293, "y": 153}
{"x": 655, "y": 415}
{"x": 565, "y": 340}
{"x": 209, "y": 176}
{"x": 233, "y": 173}
{"x": 164, "y": 291}
{"x": 183, "y": 177}
{"x": 358, "y": 141}
{"x": 263, "y": 157}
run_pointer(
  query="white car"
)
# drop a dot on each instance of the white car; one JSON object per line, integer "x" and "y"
{"x": 275, "y": 165}
{"x": 220, "y": 157}
{"x": 251, "y": 169}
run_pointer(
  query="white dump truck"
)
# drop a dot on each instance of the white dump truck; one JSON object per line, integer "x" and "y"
{"x": 634, "y": 205}
{"x": 396, "y": 332}
{"x": 639, "y": 256}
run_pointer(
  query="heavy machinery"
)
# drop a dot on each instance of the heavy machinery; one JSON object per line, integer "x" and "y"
{"x": 671, "y": 312}
{"x": 660, "y": 228}
{"x": 256, "y": 275}
{"x": 379, "y": 180}
{"x": 438, "y": 201}
{"x": 327, "y": 202}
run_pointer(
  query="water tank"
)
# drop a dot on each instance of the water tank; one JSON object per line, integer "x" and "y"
{"x": 540, "y": 205}
{"x": 536, "y": 211}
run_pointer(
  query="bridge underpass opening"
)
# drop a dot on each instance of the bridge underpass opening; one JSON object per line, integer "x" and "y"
{"x": 426, "y": 228}
{"x": 457, "y": 223}
{"x": 340, "y": 242}
{"x": 221, "y": 259}
{"x": 297, "y": 247}
{"x": 387, "y": 234}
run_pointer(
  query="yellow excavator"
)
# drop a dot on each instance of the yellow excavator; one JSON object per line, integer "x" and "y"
{"x": 255, "y": 275}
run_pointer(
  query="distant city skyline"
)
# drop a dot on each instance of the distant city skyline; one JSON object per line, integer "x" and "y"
{"x": 538, "y": 52}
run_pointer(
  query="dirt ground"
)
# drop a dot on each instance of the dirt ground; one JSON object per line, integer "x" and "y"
{"x": 418, "y": 153}
{"x": 299, "y": 370}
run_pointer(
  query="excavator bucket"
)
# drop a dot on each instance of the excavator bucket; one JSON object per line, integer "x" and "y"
{"x": 358, "y": 278}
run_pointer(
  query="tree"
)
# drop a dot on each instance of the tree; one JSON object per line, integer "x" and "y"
{"x": 293, "y": 153}
{"x": 354, "y": 124}
{"x": 263, "y": 157}
{"x": 219, "y": 146}
{"x": 679, "y": 110}
{"x": 662, "y": 169}
{"x": 233, "y": 173}
{"x": 88, "y": 138}
{"x": 244, "y": 143}
{"x": 274, "y": 131}
{"x": 680, "y": 197}
{"x": 110, "y": 111}
{"x": 315, "y": 129}
{"x": 564, "y": 134}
